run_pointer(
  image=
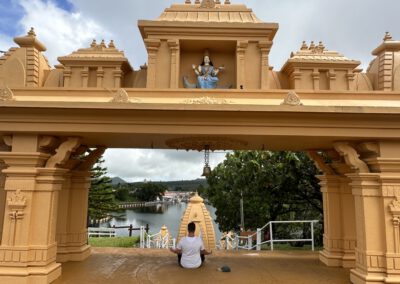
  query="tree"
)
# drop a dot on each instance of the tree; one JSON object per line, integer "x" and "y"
{"x": 150, "y": 191}
{"x": 274, "y": 185}
{"x": 101, "y": 196}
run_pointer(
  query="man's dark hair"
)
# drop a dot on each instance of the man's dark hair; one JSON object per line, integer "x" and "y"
{"x": 191, "y": 227}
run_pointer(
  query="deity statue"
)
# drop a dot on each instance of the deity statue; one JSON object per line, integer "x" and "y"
{"x": 207, "y": 74}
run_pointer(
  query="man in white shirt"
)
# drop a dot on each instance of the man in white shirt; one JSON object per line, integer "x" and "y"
{"x": 190, "y": 249}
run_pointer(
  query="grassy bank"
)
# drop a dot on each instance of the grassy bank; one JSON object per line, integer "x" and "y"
{"x": 117, "y": 242}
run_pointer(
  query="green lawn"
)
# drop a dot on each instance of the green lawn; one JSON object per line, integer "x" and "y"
{"x": 120, "y": 242}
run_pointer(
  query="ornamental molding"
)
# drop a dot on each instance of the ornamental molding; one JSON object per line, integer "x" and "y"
{"x": 206, "y": 101}
{"x": 320, "y": 163}
{"x": 200, "y": 142}
{"x": 6, "y": 95}
{"x": 292, "y": 99}
{"x": 351, "y": 157}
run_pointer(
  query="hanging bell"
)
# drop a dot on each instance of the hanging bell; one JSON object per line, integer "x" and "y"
{"x": 206, "y": 171}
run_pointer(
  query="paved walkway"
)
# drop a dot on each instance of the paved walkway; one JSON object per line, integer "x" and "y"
{"x": 117, "y": 266}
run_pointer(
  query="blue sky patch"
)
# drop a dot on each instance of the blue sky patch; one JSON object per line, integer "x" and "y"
{"x": 64, "y": 4}
{"x": 10, "y": 14}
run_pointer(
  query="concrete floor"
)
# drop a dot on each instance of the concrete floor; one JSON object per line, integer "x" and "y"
{"x": 115, "y": 266}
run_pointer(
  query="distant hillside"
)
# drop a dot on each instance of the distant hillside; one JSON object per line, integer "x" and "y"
{"x": 182, "y": 185}
{"x": 117, "y": 180}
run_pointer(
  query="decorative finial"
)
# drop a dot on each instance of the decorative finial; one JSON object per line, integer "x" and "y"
{"x": 312, "y": 45}
{"x": 387, "y": 37}
{"x": 111, "y": 44}
{"x": 32, "y": 32}
{"x": 197, "y": 2}
{"x": 94, "y": 43}
{"x": 103, "y": 44}
{"x": 304, "y": 46}
{"x": 227, "y": 2}
{"x": 207, "y": 4}
{"x": 188, "y": 2}
{"x": 321, "y": 46}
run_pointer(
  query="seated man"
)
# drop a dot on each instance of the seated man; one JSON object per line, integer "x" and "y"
{"x": 190, "y": 249}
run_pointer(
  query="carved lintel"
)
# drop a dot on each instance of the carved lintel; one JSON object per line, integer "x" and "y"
{"x": 292, "y": 99}
{"x": 63, "y": 152}
{"x": 91, "y": 159}
{"x": 206, "y": 101}
{"x": 320, "y": 163}
{"x": 6, "y": 95}
{"x": 351, "y": 157}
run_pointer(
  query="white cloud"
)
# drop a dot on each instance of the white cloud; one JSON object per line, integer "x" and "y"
{"x": 137, "y": 165}
{"x": 5, "y": 43}
{"x": 60, "y": 31}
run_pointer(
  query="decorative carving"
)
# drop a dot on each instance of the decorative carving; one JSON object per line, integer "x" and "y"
{"x": 206, "y": 101}
{"x": 121, "y": 97}
{"x": 63, "y": 152}
{"x": 16, "y": 203}
{"x": 91, "y": 159}
{"x": 320, "y": 163}
{"x": 351, "y": 157}
{"x": 6, "y": 95}
{"x": 292, "y": 99}
{"x": 394, "y": 208}
{"x": 369, "y": 147}
{"x": 207, "y": 4}
{"x": 7, "y": 140}
{"x": 199, "y": 142}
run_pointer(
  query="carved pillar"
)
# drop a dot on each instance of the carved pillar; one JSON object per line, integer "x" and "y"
{"x": 350, "y": 80}
{"x": 339, "y": 216}
{"x": 34, "y": 178}
{"x": 295, "y": 78}
{"x": 376, "y": 188}
{"x": 100, "y": 77}
{"x": 175, "y": 63}
{"x": 73, "y": 209}
{"x": 152, "y": 46}
{"x": 265, "y": 47}
{"x": 85, "y": 76}
{"x": 332, "y": 80}
{"x": 117, "y": 77}
{"x": 2, "y": 195}
{"x": 240, "y": 64}
{"x": 315, "y": 76}
{"x": 67, "y": 76}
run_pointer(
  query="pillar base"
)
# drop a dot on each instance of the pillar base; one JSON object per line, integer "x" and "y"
{"x": 29, "y": 275}
{"x": 65, "y": 254}
{"x": 362, "y": 277}
{"x": 331, "y": 259}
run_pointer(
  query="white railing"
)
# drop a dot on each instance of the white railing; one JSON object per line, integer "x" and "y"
{"x": 246, "y": 242}
{"x": 101, "y": 232}
{"x": 156, "y": 241}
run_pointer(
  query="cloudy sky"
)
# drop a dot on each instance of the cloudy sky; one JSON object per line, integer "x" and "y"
{"x": 353, "y": 28}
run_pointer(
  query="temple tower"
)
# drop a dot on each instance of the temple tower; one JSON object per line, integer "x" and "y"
{"x": 197, "y": 212}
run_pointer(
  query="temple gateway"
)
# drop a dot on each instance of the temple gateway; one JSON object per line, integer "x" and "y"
{"x": 207, "y": 83}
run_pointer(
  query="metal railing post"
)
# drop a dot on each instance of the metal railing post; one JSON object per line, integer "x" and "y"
{"x": 271, "y": 238}
{"x": 312, "y": 235}
{"x": 249, "y": 242}
{"x": 258, "y": 239}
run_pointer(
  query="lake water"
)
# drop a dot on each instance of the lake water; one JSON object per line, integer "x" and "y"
{"x": 156, "y": 216}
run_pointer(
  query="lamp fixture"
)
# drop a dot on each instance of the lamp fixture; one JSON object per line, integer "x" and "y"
{"x": 207, "y": 168}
